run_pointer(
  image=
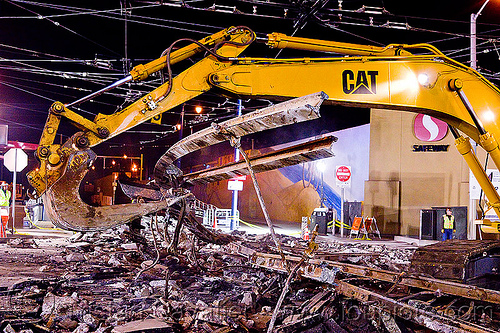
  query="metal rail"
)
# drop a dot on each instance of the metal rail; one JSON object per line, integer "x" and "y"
{"x": 427, "y": 319}
{"x": 320, "y": 270}
{"x": 326, "y": 272}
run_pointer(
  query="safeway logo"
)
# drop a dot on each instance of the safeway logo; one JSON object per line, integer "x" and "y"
{"x": 361, "y": 82}
{"x": 429, "y": 129}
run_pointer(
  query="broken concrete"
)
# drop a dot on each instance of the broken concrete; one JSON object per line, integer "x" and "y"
{"x": 208, "y": 287}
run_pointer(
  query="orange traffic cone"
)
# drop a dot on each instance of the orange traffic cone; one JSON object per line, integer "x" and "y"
{"x": 306, "y": 234}
{"x": 3, "y": 225}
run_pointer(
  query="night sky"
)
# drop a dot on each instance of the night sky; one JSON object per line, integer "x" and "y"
{"x": 61, "y": 51}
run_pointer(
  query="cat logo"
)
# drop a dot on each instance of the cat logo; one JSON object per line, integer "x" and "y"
{"x": 364, "y": 82}
{"x": 156, "y": 119}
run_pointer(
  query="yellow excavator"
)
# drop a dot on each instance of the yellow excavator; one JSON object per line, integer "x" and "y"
{"x": 417, "y": 78}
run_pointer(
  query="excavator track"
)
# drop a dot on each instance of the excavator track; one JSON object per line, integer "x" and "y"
{"x": 475, "y": 262}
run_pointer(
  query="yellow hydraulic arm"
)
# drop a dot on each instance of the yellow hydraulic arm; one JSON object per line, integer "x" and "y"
{"x": 187, "y": 85}
{"x": 282, "y": 41}
{"x": 389, "y": 77}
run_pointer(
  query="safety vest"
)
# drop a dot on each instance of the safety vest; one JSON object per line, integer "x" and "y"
{"x": 4, "y": 197}
{"x": 448, "y": 221}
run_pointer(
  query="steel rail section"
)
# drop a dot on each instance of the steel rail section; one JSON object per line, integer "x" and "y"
{"x": 321, "y": 269}
{"x": 325, "y": 271}
{"x": 293, "y": 111}
{"x": 302, "y": 153}
{"x": 435, "y": 322}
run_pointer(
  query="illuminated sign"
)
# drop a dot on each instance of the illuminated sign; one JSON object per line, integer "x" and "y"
{"x": 429, "y": 129}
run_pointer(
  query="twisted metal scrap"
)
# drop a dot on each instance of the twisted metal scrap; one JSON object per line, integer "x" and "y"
{"x": 236, "y": 143}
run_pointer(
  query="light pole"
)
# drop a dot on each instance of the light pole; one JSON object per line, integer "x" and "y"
{"x": 234, "y": 202}
{"x": 180, "y": 127}
{"x": 473, "y": 65}
{"x": 321, "y": 168}
{"x": 473, "y": 18}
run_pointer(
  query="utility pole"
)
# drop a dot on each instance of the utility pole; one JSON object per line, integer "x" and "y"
{"x": 473, "y": 19}
{"x": 125, "y": 12}
{"x": 234, "y": 203}
{"x": 473, "y": 65}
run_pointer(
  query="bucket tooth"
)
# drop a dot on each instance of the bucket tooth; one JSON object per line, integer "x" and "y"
{"x": 67, "y": 210}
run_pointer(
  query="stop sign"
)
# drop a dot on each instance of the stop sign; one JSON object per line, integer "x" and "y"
{"x": 343, "y": 173}
{"x": 15, "y": 160}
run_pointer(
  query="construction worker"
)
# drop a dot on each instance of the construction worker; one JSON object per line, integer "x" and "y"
{"x": 4, "y": 208}
{"x": 448, "y": 225}
{"x": 4, "y": 195}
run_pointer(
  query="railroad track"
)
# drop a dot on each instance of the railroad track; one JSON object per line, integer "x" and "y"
{"x": 436, "y": 304}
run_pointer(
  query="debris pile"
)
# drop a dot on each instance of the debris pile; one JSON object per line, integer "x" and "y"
{"x": 123, "y": 281}
{"x": 376, "y": 256}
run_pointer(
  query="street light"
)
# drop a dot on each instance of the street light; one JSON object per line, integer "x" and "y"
{"x": 473, "y": 18}
{"x": 321, "y": 166}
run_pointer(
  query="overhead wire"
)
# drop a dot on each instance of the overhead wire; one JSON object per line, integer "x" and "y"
{"x": 27, "y": 91}
{"x": 95, "y": 81}
{"x": 156, "y": 25}
{"x": 119, "y": 18}
{"x": 22, "y": 86}
{"x": 68, "y": 75}
{"x": 38, "y": 53}
{"x": 45, "y": 83}
{"x": 88, "y": 11}
{"x": 88, "y": 76}
{"x": 57, "y": 24}
{"x": 38, "y": 95}
{"x": 334, "y": 27}
{"x": 21, "y": 124}
{"x": 76, "y": 11}
{"x": 58, "y": 93}
{"x": 456, "y": 54}
{"x": 113, "y": 12}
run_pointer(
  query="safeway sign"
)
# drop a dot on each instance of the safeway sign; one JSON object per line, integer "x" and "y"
{"x": 343, "y": 175}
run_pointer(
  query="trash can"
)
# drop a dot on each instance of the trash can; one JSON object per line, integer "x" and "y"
{"x": 319, "y": 217}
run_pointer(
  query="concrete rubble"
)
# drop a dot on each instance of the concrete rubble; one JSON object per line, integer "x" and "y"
{"x": 117, "y": 281}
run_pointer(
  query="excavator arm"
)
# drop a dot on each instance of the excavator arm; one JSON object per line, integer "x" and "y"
{"x": 187, "y": 85}
{"x": 391, "y": 77}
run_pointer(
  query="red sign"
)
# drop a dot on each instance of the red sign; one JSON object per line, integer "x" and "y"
{"x": 244, "y": 177}
{"x": 343, "y": 173}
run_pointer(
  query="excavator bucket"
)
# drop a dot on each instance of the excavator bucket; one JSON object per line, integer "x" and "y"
{"x": 67, "y": 210}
